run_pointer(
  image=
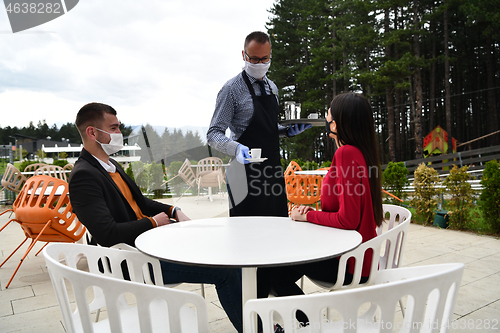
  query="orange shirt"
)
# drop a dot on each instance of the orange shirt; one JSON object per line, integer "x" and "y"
{"x": 128, "y": 195}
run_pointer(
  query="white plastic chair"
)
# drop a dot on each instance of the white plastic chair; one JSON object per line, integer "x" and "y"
{"x": 126, "y": 247}
{"x": 387, "y": 249}
{"x": 156, "y": 309}
{"x": 52, "y": 171}
{"x": 187, "y": 174}
{"x": 210, "y": 173}
{"x": 431, "y": 292}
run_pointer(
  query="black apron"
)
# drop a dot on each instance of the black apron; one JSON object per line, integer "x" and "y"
{"x": 266, "y": 185}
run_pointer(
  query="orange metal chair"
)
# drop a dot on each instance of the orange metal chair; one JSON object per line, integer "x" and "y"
{"x": 44, "y": 212}
{"x": 305, "y": 190}
{"x": 290, "y": 176}
{"x": 301, "y": 189}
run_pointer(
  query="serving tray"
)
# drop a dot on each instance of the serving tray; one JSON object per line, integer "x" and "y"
{"x": 314, "y": 122}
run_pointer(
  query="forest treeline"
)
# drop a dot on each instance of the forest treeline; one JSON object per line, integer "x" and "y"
{"x": 171, "y": 145}
{"x": 420, "y": 63}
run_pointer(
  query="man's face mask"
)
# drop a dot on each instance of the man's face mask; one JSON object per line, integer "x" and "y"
{"x": 114, "y": 145}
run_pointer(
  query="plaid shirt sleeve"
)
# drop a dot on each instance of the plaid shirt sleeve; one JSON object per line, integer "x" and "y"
{"x": 234, "y": 110}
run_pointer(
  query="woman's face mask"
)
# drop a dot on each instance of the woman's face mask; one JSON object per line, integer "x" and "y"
{"x": 327, "y": 125}
{"x": 114, "y": 145}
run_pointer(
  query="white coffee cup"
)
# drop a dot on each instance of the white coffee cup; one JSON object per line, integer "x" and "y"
{"x": 255, "y": 152}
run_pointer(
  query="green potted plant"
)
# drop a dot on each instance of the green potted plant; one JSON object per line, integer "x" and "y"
{"x": 489, "y": 200}
{"x": 424, "y": 199}
{"x": 462, "y": 197}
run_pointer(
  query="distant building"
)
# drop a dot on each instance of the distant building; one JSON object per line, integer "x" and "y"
{"x": 53, "y": 148}
{"x": 125, "y": 156}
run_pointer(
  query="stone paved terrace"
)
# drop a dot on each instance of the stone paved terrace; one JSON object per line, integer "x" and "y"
{"x": 30, "y": 304}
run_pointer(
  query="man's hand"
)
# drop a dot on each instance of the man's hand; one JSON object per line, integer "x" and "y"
{"x": 295, "y": 129}
{"x": 242, "y": 154}
{"x": 161, "y": 219}
{"x": 180, "y": 216}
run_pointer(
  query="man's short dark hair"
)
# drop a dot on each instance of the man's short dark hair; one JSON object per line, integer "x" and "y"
{"x": 258, "y": 36}
{"x": 92, "y": 114}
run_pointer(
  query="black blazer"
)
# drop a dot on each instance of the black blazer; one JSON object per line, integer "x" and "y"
{"x": 101, "y": 206}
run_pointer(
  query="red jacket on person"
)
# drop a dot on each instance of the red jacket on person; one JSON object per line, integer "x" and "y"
{"x": 346, "y": 201}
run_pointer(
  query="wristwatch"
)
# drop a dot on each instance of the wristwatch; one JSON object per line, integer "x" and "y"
{"x": 174, "y": 211}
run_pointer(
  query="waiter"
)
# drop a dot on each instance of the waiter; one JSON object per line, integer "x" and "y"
{"x": 248, "y": 105}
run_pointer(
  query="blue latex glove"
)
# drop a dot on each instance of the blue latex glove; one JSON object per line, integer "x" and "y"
{"x": 242, "y": 154}
{"x": 295, "y": 129}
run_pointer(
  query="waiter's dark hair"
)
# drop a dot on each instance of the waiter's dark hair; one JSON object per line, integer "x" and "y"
{"x": 92, "y": 114}
{"x": 258, "y": 36}
{"x": 355, "y": 126}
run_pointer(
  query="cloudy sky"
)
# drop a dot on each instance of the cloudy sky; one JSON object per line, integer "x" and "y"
{"x": 160, "y": 62}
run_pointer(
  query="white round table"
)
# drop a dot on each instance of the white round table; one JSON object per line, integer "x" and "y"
{"x": 312, "y": 172}
{"x": 246, "y": 242}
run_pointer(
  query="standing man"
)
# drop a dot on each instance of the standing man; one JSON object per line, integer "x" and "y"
{"x": 248, "y": 105}
{"x": 113, "y": 209}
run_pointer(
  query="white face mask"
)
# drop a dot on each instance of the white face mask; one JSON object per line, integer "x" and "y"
{"x": 257, "y": 70}
{"x": 114, "y": 145}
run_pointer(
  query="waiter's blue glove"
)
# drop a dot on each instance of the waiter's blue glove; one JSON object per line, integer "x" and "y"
{"x": 242, "y": 154}
{"x": 295, "y": 129}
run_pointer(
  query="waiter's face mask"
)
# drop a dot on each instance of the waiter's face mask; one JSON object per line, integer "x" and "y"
{"x": 256, "y": 67}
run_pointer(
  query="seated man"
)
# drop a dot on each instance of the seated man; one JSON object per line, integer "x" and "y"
{"x": 113, "y": 209}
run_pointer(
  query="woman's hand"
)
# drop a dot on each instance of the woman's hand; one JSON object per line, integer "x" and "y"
{"x": 300, "y": 213}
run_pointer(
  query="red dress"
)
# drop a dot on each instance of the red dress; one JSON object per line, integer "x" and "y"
{"x": 346, "y": 201}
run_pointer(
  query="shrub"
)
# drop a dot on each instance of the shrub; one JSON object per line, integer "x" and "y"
{"x": 489, "y": 201}
{"x": 394, "y": 179}
{"x": 326, "y": 164}
{"x": 60, "y": 163}
{"x": 424, "y": 199}
{"x": 462, "y": 198}
{"x": 308, "y": 165}
{"x": 25, "y": 163}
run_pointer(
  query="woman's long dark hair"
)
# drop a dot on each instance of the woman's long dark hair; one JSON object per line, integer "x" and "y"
{"x": 355, "y": 126}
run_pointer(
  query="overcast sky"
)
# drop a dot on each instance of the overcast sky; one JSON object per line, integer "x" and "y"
{"x": 160, "y": 62}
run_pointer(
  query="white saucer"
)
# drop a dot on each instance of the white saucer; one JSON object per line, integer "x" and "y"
{"x": 256, "y": 160}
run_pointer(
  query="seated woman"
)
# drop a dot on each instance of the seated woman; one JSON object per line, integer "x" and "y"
{"x": 351, "y": 197}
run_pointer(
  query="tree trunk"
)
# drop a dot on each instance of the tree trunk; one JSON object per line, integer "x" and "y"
{"x": 447, "y": 88}
{"x": 419, "y": 140}
{"x": 492, "y": 110}
{"x": 432, "y": 85}
{"x": 389, "y": 100}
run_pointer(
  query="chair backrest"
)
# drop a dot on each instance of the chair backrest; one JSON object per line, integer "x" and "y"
{"x": 304, "y": 189}
{"x": 69, "y": 166}
{"x": 386, "y": 248}
{"x": 430, "y": 293}
{"x": 394, "y": 215}
{"x": 289, "y": 175}
{"x": 208, "y": 164}
{"x": 53, "y": 171}
{"x": 45, "y": 199}
{"x": 13, "y": 179}
{"x": 186, "y": 173}
{"x": 158, "y": 309}
{"x": 33, "y": 167}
